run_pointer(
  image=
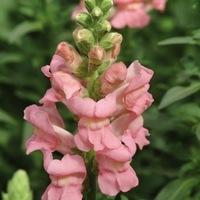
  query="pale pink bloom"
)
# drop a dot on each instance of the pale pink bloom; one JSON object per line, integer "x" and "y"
{"x": 72, "y": 57}
{"x": 134, "y": 13}
{"x": 115, "y": 175}
{"x": 64, "y": 84}
{"x": 130, "y": 126}
{"x": 67, "y": 176}
{"x": 78, "y": 9}
{"x": 131, "y": 14}
{"x": 49, "y": 132}
{"x": 113, "y": 77}
{"x": 57, "y": 63}
{"x": 95, "y": 133}
{"x": 87, "y": 107}
{"x": 94, "y": 125}
{"x": 132, "y": 94}
{"x": 158, "y": 4}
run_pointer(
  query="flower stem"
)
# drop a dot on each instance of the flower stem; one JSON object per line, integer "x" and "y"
{"x": 90, "y": 183}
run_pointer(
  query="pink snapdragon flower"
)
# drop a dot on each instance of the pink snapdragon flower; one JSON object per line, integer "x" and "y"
{"x": 67, "y": 176}
{"x": 94, "y": 124}
{"x": 64, "y": 84}
{"x": 132, "y": 92}
{"x": 129, "y": 129}
{"x": 49, "y": 133}
{"x": 134, "y": 13}
{"x": 115, "y": 173}
{"x": 130, "y": 13}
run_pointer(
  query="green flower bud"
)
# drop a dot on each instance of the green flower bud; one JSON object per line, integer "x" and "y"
{"x": 90, "y": 4}
{"x": 84, "y": 19}
{"x": 84, "y": 40}
{"x": 106, "y": 5}
{"x": 109, "y": 39}
{"x": 103, "y": 27}
{"x": 18, "y": 187}
{"x": 96, "y": 12}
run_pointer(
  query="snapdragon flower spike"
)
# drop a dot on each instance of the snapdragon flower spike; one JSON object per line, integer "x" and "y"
{"x": 107, "y": 100}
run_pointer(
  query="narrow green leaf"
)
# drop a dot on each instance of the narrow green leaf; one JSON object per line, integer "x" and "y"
{"x": 22, "y": 29}
{"x": 5, "y": 117}
{"x": 177, "y": 93}
{"x": 196, "y": 34}
{"x": 9, "y": 58}
{"x": 177, "y": 189}
{"x": 179, "y": 40}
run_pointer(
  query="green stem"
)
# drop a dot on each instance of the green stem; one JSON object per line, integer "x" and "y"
{"x": 90, "y": 183}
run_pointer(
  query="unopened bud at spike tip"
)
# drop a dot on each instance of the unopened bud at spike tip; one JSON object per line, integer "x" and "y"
{"x": 106, "y": 5}
{"x": 90, "y": 4}
{"x": 84, "y": 40}
{"x": 96, "y": 55}
{"x": 103, "y": 27}
{"x": 109, "y": 39}
{"x": 84, "y": 19}
{"x": 96, "y": 12}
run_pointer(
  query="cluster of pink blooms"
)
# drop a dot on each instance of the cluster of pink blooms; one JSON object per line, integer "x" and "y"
{"x": 112, "y": 126}
{"x": 131, "y": 13}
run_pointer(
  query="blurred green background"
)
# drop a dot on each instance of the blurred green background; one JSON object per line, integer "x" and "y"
{"x": 168, "y": 169}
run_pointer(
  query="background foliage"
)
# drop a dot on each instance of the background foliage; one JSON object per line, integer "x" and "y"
{"x": 169, "y": 167}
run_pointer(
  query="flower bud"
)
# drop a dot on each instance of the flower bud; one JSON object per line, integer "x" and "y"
{"x": 103, "y": 27}
{"x": 96, "y": 55}
{"x": 90, "y": 4}
{"x": 106, "y": 5}
{"x": 84, "y": 19}
{"x": 71, "y": 56}
{"x": 84, "y": 40}
{"x": 113, "y": 77}
{"x": 108, "y": 40}
{"x": 114, "y": 52}
{"x": 96, "y": 12}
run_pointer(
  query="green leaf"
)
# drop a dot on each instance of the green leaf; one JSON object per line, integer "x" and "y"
{"x": 177, "y": 93}
{"x": 177, "y": 189}
{"x": 18, "y": 187}
{"x": 9, "y": 58}
{"x": 5, "y": 117}
{"x": 179, "y": 40}
{"x": 196, "y": 34}
{"x": 23, "y": 29}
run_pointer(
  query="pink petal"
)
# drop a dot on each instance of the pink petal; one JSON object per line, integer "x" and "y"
{"x": 127, "y": 180}
{"x": 51, "y": 95}
{"x": 66, "y": 83}
{"x": 89, "y": 108}
{"x": 52, "y": 193}
{"x": 72, "y": 193}
{"x": 74, "y": 163}
{"x": 107, "y": 183}
{"x": 58, "y": 63}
